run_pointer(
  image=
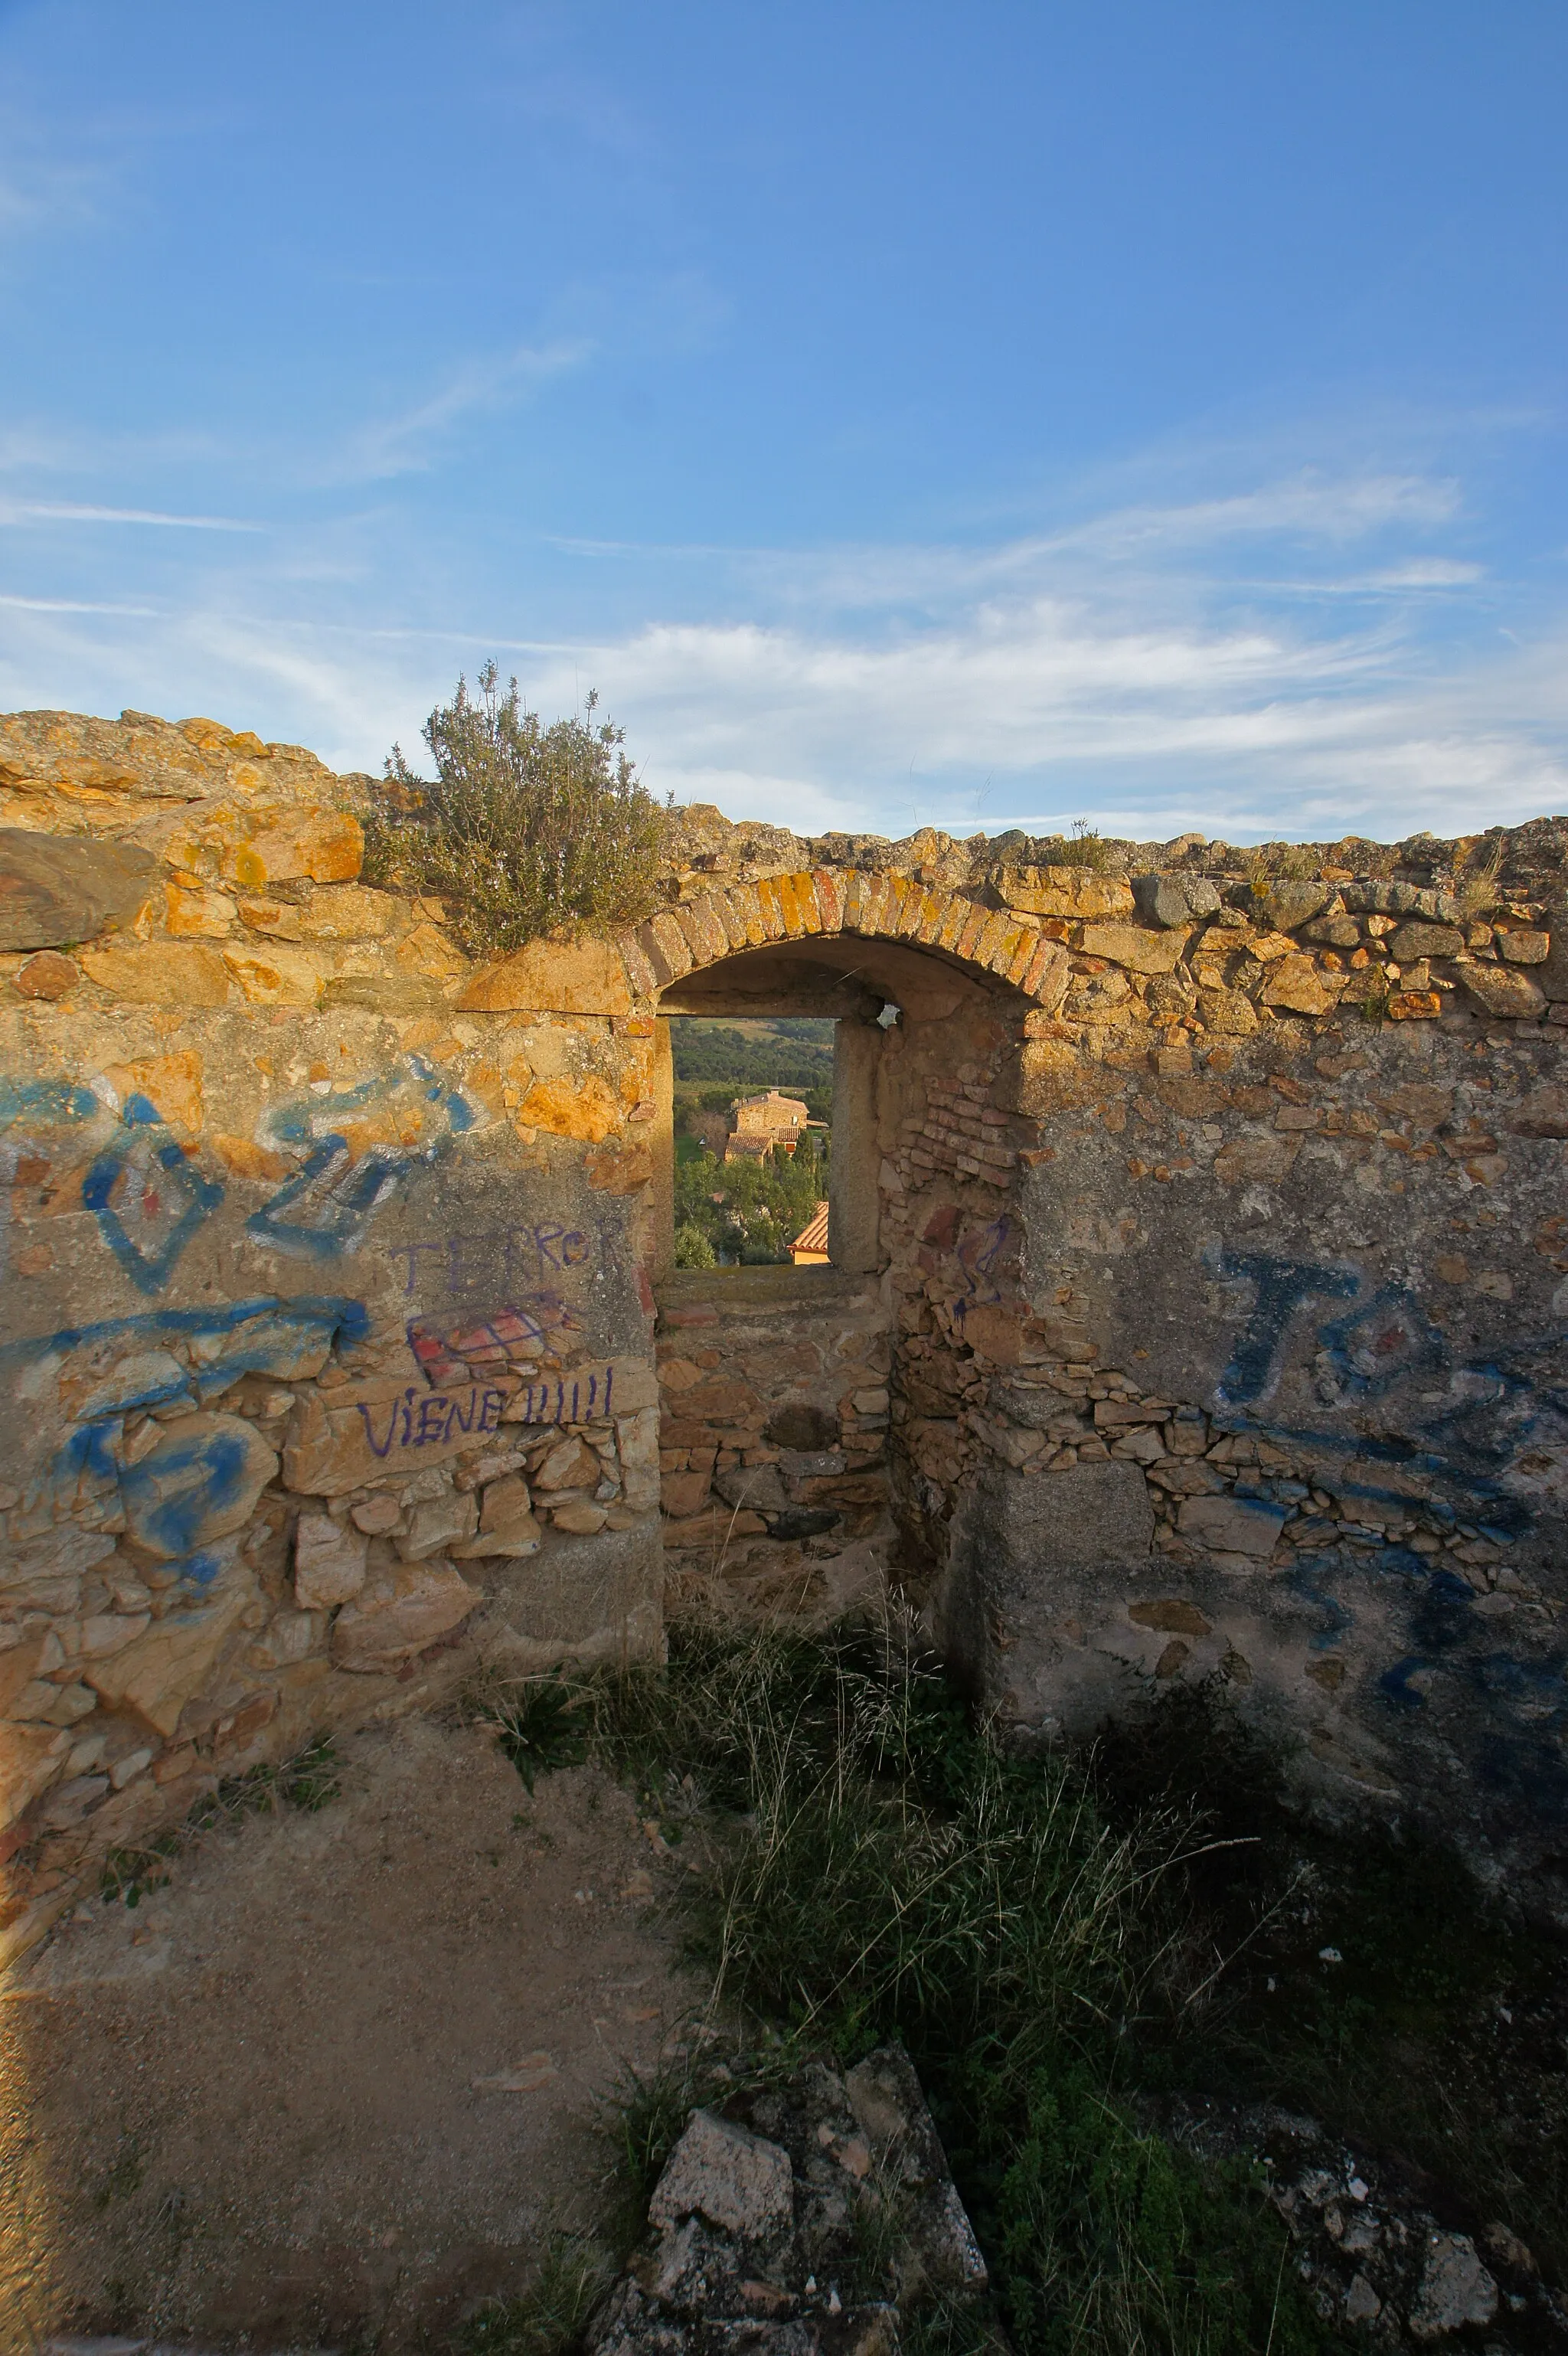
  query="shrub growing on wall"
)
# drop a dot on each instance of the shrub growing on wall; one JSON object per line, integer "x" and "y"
{"x": 524, "y": 828}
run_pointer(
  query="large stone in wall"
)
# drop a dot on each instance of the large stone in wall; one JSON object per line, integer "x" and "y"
{"x": 1021, "y": 1540}
{"x": 57, "y": 889}
{"x": 200, "y": 1482}
{"x": 397, "y": 1612}
{"x": 1063, "y": 892}
{"x": 595, "y": 1598}
{"x": 163, "y": 1670}
{"x": 584, "y": 976}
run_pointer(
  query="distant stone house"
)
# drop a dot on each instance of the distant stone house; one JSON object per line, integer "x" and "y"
{"x": 764, "y": 1122}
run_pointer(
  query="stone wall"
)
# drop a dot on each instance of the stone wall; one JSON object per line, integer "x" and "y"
{"x": 773, "y": 1389}
{"x": 1198, "y": 1304}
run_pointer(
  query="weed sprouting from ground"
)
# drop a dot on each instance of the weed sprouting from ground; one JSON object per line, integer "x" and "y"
{"x": 540, "y": 1723}
{"x": 549, "y": 2317}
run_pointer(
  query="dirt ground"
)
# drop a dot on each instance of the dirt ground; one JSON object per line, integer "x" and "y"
{"x": 337, "y": 2081}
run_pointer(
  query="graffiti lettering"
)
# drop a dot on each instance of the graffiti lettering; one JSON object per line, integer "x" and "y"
{"x": 583, "y": 1398}
{"x": 497, "y": 1261}
{"x": 416, "y": 1422}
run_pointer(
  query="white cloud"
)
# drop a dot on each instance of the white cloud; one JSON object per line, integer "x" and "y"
{"x": 1117, "y": 671}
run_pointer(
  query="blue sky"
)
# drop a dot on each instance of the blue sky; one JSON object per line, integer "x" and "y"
{"x": 970, "y": 416}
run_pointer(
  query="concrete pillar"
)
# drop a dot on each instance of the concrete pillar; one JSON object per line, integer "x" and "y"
{"x": 853, "y": 1240}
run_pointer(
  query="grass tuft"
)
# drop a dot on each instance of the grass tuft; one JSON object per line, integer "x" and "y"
{"x": 549, "y": 2317}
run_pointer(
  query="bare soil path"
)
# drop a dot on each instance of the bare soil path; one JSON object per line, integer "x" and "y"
{"x": 339, "y": 2080}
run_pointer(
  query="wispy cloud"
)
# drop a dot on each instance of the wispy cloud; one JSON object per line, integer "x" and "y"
{"x": 403, "y": 443}
{"x": 65, "y": 511}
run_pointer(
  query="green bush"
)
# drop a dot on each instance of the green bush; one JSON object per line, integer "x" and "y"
{"x": 524, "y": 828}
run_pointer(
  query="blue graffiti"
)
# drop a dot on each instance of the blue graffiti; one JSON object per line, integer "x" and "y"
{"x": 171, "y": 1493}
{"x": 326, "y": 1207}
{"x": 286, "y": 1333}
{"x": 1304, "y": 1578}
{"x": 339, "y": 1197}
{"x": 1281, "y": 1287}
{"x": 149, "y": 1199}
{"x": 46, "y": 1103}
{"x": 127, "y": 1172}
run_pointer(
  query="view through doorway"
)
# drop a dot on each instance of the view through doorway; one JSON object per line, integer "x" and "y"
{"x": 753, "y": 1099}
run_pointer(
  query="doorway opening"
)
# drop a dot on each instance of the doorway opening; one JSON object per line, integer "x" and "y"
{"x": 752, "y": 1101}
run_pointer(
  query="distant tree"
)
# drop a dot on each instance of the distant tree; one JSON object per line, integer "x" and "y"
{"x": 692, "y": 1249}
{"x": 523, "y": 829}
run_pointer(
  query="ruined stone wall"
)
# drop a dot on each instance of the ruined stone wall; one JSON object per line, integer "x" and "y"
{"x": 326, "y": 1335}
{"x": 1206, "y": 1239}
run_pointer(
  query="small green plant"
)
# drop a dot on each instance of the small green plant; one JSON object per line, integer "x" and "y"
{"x": 1377, "y": 1007}
{"x": 307, "y": 1781}
{"x": 548, "y": 2319}
{"x": 1081, "y": 848}
{"x": 540, "y": 1723}
{"x": 1476, "y": 888}
{"x": 524, "y": 828}
{"x": 128, "y": 1874}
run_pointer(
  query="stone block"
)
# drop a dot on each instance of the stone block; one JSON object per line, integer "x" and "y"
{"x": 1295, "y": 983}
{"x": 398, "y": 1614}
{"x": 637, "y": 1439}
{"x": 757, "y": 1486}
{"x": 1063, "y": 892}
{"x": 727, "y": 2174}
{"x": 47, "y": 975}
{"x": 1287, "y": 905}
{"x": 1131, "y": 946}
{"x": 569, "y": 1464}
{"x": 276, "y": 977}
{"x": 321, "y": 846}
{"x": 1413, "y": 941}
{"x": 437, "y": 1524}
{"x": 163, "y": 1670}
{"x": 1245, "y": 1526}
{"x": 1174, "y": 900}
{"x": 55, "y": 891}
{"x": 584, "y": 976}
{"x": 1499, "y": 989}
{"x": 506, "y": 1523}
{"x": 329, "y": 1562}
{"x": 199, "y": 1484}
{"x": 579, "y": 1516}
{"x": 31, "y": 1757}
{"x": 159, "y": 973}
{"x": 683, "y": 1493}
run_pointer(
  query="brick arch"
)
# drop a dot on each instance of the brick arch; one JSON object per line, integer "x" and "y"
{"x": 834, "y": 900}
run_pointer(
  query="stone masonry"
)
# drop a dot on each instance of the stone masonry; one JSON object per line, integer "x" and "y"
{"x": 1201, "y": 1268}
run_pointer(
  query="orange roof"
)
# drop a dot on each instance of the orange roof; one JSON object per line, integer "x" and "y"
{"x": 814, "y": 1236}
